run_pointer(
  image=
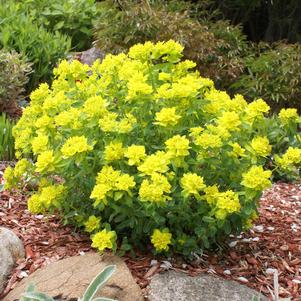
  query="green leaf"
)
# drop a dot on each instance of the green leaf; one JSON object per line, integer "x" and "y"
{"x": 38, "y": 296}
{"x": 98, "y": 282}
{"x": 104, "y": 299}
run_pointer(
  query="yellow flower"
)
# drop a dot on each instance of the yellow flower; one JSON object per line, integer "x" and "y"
{"x": 113, "y": 151}
{"x": 45, "y": 162}
{"x": 95, "y": 106}
{"x": 177, "y": 146}
{"x": 167, "y": 117}
{"x": 206, "y": 140}
{"x": 261, "y": 146}
{"x": 256, "y": 109}
{"x": 34, "y": 204}
{"x": 155, "y": 163}
{"x": 161, "y": 240}
{"x": 135, "y": 154}
{"x": 107, "y": 176}
{"x": 103, "y": 240}
{"x": 92, "y": 223}
{"x": 99, "y": 193}
{"x": 292, "y": 156}
{"x": 238, "y": 151}
{"x": 39, "y": 94}
{"x": 138, "y": 86}
{"x": 8, "y": 177}
{"x": 287, "y": 115}
{"x": 108, "y": 123}
{"x": 43, "y": 122}
{"x": 229, "y": 121}
{"x": 126, "y": 124}
{"x": 50, "y": 195}
{"x": 124, "y": 182}
{"x": 227, "y": 203}
{"x": 21, "y": 167}
{"x": 154, "y": 190}
{"x": 256, "y": 178}
{"x": 195, "y": 131}
{"x": 70, "y": 118}
{"x": 74, "y": 145}
{"x": 211, "y": 194}
{"x": 192, "y": 183}
{"x": 141, "y": 51}
{"x": 39, "y": 143}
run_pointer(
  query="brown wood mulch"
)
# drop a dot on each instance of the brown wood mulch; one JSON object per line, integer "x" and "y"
{"x": 274, "y": 243}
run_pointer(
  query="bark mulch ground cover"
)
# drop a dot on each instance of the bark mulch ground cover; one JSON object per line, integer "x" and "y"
{"x": 274, "y": 243}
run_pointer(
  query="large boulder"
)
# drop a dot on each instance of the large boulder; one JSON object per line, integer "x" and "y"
{"x": 171, "y": 286}
{"x": 11, "y": 249}
{"x": 70, "y": 277}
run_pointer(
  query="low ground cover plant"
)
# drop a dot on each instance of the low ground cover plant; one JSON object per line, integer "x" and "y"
{"x": 141, "y": 150}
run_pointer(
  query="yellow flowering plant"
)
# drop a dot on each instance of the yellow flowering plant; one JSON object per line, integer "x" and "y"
{"x": 140, "y": 150}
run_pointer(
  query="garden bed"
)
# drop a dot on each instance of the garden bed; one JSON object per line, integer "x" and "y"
{"x": 273, "y": 243}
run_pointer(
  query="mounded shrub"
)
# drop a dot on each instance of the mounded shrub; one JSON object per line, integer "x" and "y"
{"x": 275, "y": 75}
{"x": 13, "y": 77}
{"x": 70, "y": 17}
{"x": 21, "y": 32}
{"x": 142, "y": 148}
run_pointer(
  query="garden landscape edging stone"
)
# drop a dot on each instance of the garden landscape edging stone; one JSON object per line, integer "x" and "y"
{"x": 11, "y": 249}
{"x": 171, "y": 286}
{"x": 69, "y": 278}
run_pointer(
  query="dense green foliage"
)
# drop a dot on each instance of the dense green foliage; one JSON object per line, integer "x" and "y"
{"x": 45, "y": 31}
{"x": 274, "y": 75}
{"x": 141, "y": 147}
{"x": 6, "y": 139}
{"x": 13, "y": 77}
{"x": 20, "y": 32}
{"x": 70, "y": 17}
{"x": 217, "y": 48}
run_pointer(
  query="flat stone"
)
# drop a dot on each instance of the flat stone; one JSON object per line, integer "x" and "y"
{"x": 70, "y": 277}
{"x": 171, "y": 286}
{"x": 11, "y": 249}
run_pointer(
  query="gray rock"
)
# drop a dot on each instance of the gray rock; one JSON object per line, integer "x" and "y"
{"x": 69, "y": 278}
{"x": 11, "y": 249}
{"x": 172, "y": 286}
{"x": 91, "y": 55}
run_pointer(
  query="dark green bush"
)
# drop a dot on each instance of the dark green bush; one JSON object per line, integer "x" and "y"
{"x": 216, "y": 48}
{"x": 274, "y": 75}
{"x": 70, "y": 17}
{"x": 20, "y": 32}
{"x": 13, "y": 77}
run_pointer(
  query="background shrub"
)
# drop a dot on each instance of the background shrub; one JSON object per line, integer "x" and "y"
{"x": 72, "y": 18}
{"x": 273, "y": 74}
{"x": 142, "y": 148}
{"x": 13, "y": 77}
{"x": 21, "y": 33}
{"x": 217, "y": 48}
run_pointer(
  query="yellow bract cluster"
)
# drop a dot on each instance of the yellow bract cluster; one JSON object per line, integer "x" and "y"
{"x": 110, "y": 180}
{"x": 140, "y": 142}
